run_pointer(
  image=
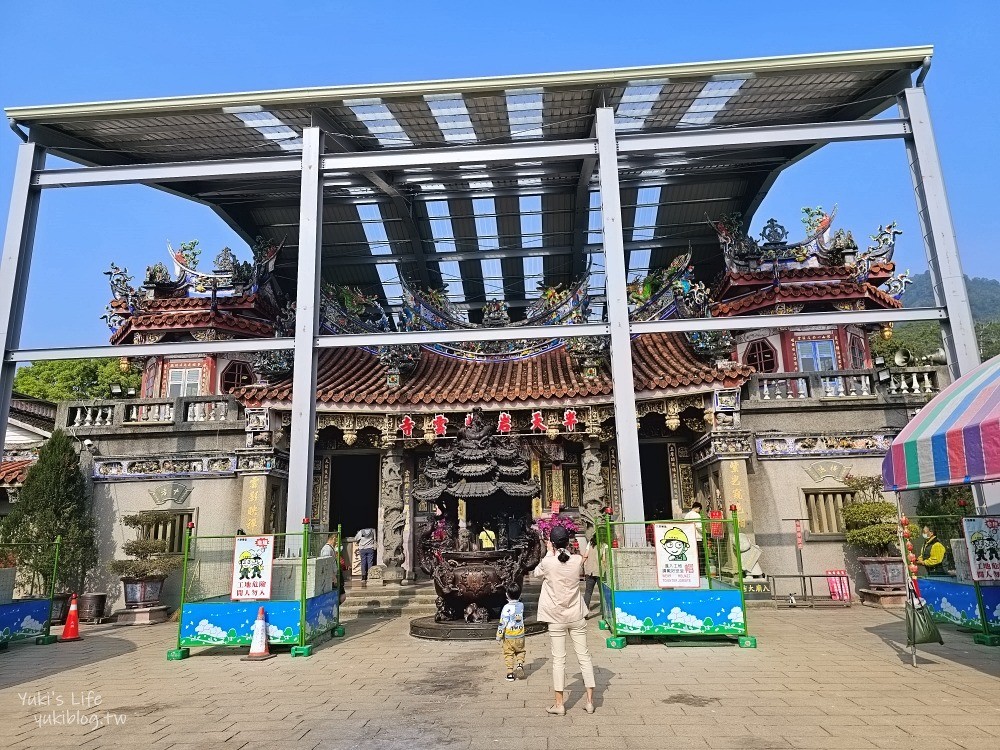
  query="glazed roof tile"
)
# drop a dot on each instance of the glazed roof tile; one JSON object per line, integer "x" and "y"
{"x": 804, "y": 292}
{"x": 13, "y": 473}
{"x": 353, "y": 376}
{"x": 184, "y": 320}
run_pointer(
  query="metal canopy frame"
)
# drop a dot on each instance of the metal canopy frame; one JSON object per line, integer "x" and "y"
{"x": 603, "y": 152}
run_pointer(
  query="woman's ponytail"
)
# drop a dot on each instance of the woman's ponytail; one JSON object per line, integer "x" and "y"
{"x": 563, "y": 556}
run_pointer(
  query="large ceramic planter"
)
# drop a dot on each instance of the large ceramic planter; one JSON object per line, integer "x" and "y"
{"x": 143, "y": 592}
{"x": 884, "y": 573}
{"x": 7, "y": 576}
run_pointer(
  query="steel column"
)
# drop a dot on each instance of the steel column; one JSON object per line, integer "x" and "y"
{"x": 15, "y": 265}
{"x": 626, "y": 430}
{"x": 303, "y": 426}
{"x": 939, "y": 235}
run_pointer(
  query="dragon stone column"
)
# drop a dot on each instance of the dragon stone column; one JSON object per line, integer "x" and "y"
{"x": 392, "y": 507}
{"x": 595, "y": 492}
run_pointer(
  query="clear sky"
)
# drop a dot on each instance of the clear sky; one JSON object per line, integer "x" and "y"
{"x": 57, "y": 52}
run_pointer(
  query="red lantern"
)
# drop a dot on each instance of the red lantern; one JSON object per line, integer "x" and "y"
{"x": 913, "y": 568}
{"x": 911, "y": 557}
{"x": 904, "y": 521}
{"x": 406, "y": 426}
{"x": 909, "y": 546}
{"x": 906, "y": 533}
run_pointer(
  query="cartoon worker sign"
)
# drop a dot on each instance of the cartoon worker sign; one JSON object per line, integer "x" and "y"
{"x": 676, "y": 556}
{"x": 982, "y": 538}
{"x": 252, "y": 559}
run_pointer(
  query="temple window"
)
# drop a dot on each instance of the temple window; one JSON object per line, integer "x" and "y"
{"x": 235, "y": 375}
{"x": 761, "y": 356}
{"x": 816, "y": 356}
{"x": 184, "y": 381}
{"x": 858, "y": 353}
{"x": 169, "y": 527}
{"x": 825, "y": 510}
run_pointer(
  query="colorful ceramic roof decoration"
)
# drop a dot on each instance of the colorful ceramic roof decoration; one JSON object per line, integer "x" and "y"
{"x": 954, "y": 439}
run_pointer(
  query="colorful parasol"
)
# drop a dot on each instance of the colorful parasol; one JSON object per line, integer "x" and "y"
{"x": 954, "y": 439}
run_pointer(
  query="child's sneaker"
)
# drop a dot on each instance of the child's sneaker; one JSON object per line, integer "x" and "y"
{"x": 520, "y": 671}
{"x": 510, "y": 677}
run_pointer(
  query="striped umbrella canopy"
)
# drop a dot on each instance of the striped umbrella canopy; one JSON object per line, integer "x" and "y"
{"x": 954, "y": 439}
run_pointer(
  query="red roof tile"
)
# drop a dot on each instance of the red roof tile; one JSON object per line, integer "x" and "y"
{"x": 13, "y": 473}
{"x": 804, "y": 292}
{"x": 193, "y": 319}
{"x": 353, "y": 376}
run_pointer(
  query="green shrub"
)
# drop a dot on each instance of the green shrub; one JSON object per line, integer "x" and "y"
{"x": 871, "y": 521}
{"x": 150, "y": 555}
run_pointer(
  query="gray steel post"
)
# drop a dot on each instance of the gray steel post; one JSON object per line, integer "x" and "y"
{"x": 939, "y": 235}
{"x": 626, "y": 431}
{"x": 15, "y": 265}
{"x": 300, "y": 462}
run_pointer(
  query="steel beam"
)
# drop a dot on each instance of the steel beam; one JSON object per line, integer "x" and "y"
{"x": 15, "y": 265}
{"x": 943, "y": 262}
{"x": 804, "y": 320}
{"x": 455, "y": 155}
{"x": 303, "y": 425}
{"x": 173, "y": 172}
{"x": 766, "y": 135}
{"x": 150, "y": 350}
{"x": 626, "y": 429}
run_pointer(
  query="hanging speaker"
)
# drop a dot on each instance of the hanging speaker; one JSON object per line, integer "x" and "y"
{"x": 902, "y": 358}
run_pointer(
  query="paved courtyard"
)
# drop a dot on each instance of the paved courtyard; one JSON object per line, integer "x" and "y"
{"x": 819, "y": 679}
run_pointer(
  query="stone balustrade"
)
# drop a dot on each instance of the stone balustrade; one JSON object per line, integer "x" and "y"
{"x": 834, "y": 385}
{"x": 97, "y": 416}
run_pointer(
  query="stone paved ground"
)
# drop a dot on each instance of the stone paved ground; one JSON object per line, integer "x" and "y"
{"x": 820, "y": 679}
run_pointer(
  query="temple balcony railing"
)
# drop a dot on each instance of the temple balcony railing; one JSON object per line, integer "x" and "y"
{"x": 183, "y": 412}
{"x": 841, "y": 386}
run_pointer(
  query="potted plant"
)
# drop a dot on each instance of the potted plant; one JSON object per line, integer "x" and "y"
{"x": 871, "y": 523}
{"x": 143, "y": 575}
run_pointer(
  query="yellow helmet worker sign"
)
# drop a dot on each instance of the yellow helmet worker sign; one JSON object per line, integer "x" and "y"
{"x": 675, "y": 535}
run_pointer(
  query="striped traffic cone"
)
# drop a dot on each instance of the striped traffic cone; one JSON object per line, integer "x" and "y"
{"x": 71, "y": 630}
{"x": 259, "y": 649}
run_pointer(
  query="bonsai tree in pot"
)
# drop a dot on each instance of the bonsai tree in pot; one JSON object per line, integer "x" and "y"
{"x": 872, "y": 529}
{"x": 149, "y": 566}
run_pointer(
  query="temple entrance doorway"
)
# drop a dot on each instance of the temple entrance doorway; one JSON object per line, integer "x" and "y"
{"x": 656, "y": 499}
{"x": 354, "y": 481}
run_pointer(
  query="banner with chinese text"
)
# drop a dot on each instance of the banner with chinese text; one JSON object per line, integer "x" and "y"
{"x": 982, "y": 538}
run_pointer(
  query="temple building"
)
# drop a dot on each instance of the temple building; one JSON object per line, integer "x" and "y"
{"x": 768, "y": 421}
{"x": 576, "y": 259}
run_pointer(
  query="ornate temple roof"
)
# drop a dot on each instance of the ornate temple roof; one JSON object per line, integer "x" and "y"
{"x": 356, "y": 377}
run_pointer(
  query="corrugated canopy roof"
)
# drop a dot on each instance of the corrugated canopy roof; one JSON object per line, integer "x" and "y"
{"x": 497, "y": 231}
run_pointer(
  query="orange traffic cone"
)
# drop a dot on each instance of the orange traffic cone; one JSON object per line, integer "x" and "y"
{"x": 259, "y": 650}
{"x": 71, "y": 630}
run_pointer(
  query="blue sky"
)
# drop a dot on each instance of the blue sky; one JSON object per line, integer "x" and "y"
{"x": 58, "y": 52}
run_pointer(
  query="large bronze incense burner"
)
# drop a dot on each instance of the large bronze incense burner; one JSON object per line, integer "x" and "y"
{"x": 488, "y": 472}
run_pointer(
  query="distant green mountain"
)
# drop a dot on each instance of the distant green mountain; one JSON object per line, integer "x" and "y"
{"x": 984, "y": 295}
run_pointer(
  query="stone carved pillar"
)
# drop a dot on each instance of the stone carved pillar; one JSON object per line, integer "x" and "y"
{"x": 595, "y": 491}
{"x": 392, "y": 506}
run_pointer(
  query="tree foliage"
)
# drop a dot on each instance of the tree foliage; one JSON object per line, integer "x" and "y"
{"x": 149, "y": 554}
{"x": 75, "y": 380}
{"x": 870, "y": 519}
{"x": 53, "y": 503}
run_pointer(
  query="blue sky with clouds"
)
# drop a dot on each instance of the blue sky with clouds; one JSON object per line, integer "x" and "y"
{"x": 58, "y": 52}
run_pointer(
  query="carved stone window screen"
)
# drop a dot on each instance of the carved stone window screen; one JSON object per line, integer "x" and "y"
{"x": 825, "y": 510}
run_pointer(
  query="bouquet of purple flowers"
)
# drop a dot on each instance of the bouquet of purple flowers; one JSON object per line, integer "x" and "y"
{"x": 545, "y": 525}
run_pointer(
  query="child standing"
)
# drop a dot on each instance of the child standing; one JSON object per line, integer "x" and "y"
{"x": 510, "y": 632}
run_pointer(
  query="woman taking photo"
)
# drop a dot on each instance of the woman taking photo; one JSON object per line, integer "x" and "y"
{"x": 561, "y": 606}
